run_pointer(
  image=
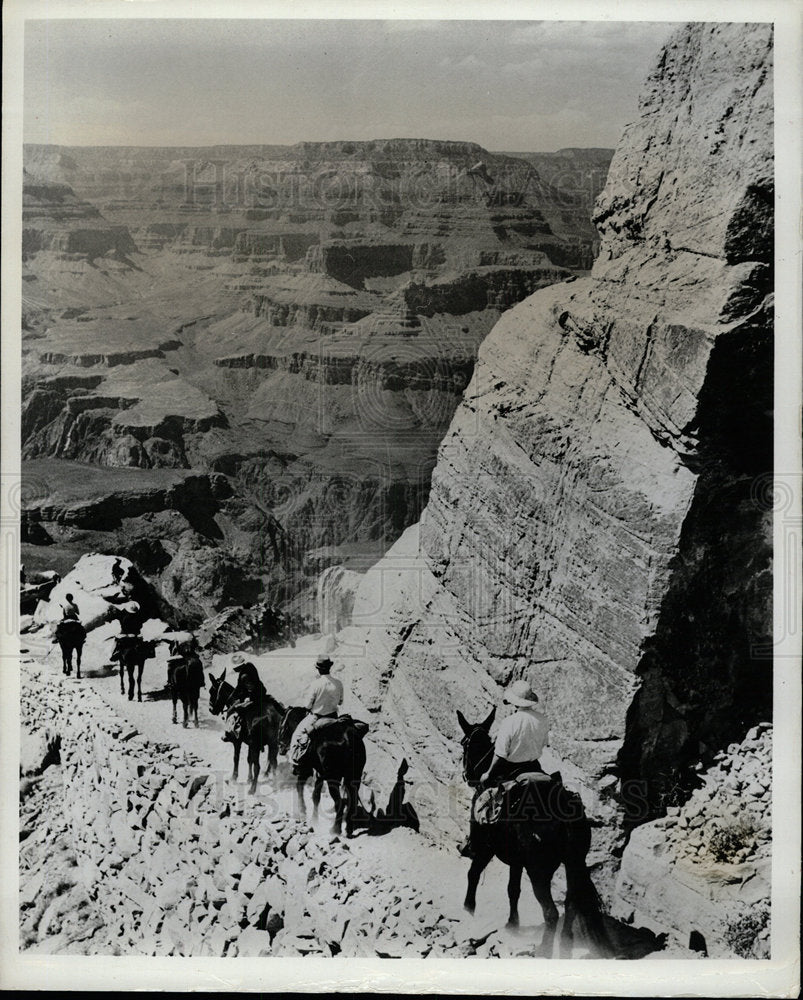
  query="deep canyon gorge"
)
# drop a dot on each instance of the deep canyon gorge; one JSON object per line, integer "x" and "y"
{"x": 458, "y": 418}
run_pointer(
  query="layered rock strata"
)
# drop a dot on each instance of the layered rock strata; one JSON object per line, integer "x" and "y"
{"x": 55, "y": 219}
{"x": 597, "y": 521}
{"x": 303, "y": 320}
{"x": 199, "y": 547}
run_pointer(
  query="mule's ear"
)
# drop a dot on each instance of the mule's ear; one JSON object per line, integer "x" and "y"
{"x": 489, "y": 721}
{"x": 223, "y": 675}
{"x": 211, "y": 678}
{"x": 463, "y": 724}
{"x": 403, "y": 767}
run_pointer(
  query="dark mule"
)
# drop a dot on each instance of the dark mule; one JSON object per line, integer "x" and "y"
{"x": 336, "y": 755}
{"x": 71, "y": 636}
{"x": 542, "y": 826}
{"x": 185, "y": 678}
{"x": 260, "y": 727}
{"x": 131, "y": 652}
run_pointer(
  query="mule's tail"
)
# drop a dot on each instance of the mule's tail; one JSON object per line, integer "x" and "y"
{"x": 582, "y": 894}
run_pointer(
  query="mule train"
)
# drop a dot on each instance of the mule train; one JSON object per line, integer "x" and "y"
{"x": 531, "y": 823}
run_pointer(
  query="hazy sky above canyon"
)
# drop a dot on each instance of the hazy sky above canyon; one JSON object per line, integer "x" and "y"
{"x": 508, "y": 85}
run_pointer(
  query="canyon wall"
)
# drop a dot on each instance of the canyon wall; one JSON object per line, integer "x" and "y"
{"x": 597, "y": 521}
{"x": 54, "y": 219}
{"x": 300, "y": 319}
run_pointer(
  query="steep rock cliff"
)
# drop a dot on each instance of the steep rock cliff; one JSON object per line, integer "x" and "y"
{"x": 596, "y": 520}
{"x": 55, "y": 219}
{"x": 198, "y": 544}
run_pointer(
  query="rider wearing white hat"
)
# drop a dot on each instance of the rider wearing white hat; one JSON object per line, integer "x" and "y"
{"x": 521, "y": 738}
{"x": 519, "y": 742}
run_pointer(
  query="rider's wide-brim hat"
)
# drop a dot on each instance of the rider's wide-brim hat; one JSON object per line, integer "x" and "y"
{"x": 172, "y": 659}
{"x": 240, "y": 663}
{"x": 521, "y": 694}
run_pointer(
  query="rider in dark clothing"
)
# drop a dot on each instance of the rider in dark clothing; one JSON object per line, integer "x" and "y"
{"x": 69, "y": 609}
{"x": 249, "y": 693}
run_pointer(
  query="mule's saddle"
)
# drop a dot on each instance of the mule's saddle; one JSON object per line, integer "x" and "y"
{"x": 524, "y": 797}
{"x": 360, "y": 727}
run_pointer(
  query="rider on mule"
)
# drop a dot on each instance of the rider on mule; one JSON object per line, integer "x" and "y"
{"x": 323, "y": 699}
{"x": 249, "y": 692}
{"x": 520, "y": 741}
{"x": 69, "y": 609}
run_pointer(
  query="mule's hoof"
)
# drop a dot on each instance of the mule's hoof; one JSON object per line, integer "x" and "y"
{"x": 469, "y": 907}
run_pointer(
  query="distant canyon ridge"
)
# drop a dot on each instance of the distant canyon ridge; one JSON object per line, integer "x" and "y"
{"x": 239, "y": 362}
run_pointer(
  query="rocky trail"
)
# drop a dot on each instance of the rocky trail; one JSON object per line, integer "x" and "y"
{"x": 597, "y": 521}
{"x": 391, "y": 895}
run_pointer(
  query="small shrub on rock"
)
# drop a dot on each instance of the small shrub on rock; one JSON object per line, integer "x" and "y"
{"x": 743, "y": 934}
{"x": 728, "y": 841}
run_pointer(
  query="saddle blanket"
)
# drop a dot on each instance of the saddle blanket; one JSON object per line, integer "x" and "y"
{"x": 361, "y": 727}
{"x": 489, "y": 805}
{"x": 302, "y": 739}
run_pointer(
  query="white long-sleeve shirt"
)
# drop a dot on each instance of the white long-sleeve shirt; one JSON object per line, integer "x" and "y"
{"x": 522, "y": 736}
{"x": 325, "y": 695}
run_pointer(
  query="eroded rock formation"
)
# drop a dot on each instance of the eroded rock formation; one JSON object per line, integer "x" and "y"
{"x": 55, "y": 219}
{"x": 302, "y": 320}
{"x": 597, "y": 520}
{"x": 705, "y": 869}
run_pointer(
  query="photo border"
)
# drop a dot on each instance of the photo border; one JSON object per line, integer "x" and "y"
{"x": 778, "y": 976}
